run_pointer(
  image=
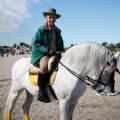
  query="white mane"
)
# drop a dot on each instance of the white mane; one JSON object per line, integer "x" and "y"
{"x": 79, "y": 56}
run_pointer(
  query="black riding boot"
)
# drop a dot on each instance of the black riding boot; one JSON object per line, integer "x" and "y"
{"x": 43, "y": 96}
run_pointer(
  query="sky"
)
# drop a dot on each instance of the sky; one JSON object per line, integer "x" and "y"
{"x": 81, "y": 20}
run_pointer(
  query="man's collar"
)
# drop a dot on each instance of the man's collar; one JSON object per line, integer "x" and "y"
{"x": 54, "y": 27}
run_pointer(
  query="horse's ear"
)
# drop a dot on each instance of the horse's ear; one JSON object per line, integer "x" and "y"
{"x": 111, "y": 66}
{"x": 117, "y": 55}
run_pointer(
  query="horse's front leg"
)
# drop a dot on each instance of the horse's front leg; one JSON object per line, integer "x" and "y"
{"x": 27, "y": 104}
{"x": 72, "y": 106}
{"x": 64, "y": 105}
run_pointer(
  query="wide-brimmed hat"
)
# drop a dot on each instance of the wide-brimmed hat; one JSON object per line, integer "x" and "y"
{"x": 51, "y": 11}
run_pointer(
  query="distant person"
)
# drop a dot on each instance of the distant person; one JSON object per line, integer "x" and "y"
{"x": 7, "y": 54}
{"x": 111, "y": 90}
{"x": 47, "y": 42}
{"x": 2, "y": 54}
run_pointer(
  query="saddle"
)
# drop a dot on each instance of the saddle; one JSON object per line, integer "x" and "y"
{"x": 33, "y": 79}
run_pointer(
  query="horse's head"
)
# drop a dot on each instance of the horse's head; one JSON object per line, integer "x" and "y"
{"x": 105, "y": 75}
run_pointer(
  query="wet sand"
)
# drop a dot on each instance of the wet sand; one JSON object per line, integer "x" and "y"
{"x": 89, "y": 107}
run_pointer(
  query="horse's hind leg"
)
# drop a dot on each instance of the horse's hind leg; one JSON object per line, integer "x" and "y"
{"x": 26, "y": 105}
{"x": 13, "y": 95}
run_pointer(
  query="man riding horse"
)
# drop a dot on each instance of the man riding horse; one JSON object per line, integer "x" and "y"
{"x": 47, "y": 42}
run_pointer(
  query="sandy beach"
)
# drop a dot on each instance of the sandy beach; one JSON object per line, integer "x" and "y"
{"x": 89, "y": 107}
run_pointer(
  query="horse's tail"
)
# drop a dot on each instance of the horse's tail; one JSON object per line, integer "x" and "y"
{"x": 6, "y": 114}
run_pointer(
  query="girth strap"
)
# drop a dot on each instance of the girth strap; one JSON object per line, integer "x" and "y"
{"x": 52, "y": 92}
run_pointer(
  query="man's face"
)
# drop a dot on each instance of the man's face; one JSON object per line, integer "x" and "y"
{"x": 51, "y": 18}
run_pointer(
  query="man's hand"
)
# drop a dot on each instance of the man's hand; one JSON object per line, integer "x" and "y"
{"x": 51, "y": 52}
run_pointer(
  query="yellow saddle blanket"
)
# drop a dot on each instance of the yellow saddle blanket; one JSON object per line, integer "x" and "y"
{"x": 33, "y": 79}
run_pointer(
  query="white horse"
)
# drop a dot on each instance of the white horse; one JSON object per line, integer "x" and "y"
{"x": 82, "y": 59}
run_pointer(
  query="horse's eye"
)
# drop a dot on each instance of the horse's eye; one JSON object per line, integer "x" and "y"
{"x": 106, "y": 72}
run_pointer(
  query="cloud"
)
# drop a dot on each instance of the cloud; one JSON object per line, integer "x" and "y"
{"x": 13, "y": 13}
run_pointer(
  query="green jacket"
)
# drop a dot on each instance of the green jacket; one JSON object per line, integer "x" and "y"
{"x": 42, "y": 43}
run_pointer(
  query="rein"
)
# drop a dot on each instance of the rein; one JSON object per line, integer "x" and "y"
{"x": 93, "y": 81}
{"x": 77, "y": 75}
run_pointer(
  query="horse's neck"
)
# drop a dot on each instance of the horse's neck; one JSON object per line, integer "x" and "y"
{"x": 86, "y": 57}
{"x": 77, "y": 64}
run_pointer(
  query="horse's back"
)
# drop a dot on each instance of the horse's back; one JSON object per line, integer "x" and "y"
{"x": 20, "y": 67}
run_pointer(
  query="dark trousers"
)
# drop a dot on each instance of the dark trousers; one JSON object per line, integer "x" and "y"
{"x": 112, "y": 82}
